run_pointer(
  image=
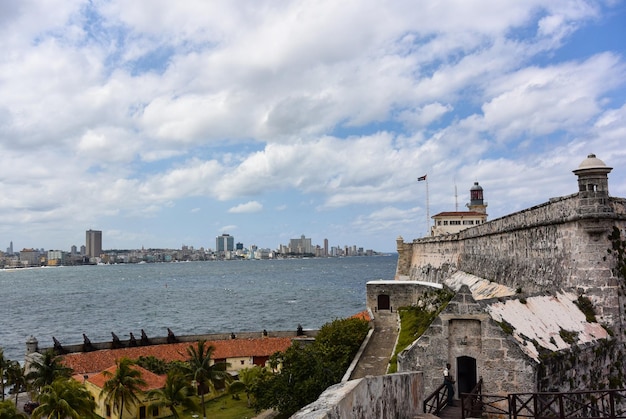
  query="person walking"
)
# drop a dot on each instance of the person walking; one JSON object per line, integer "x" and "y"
{"x": 449, "y": 382}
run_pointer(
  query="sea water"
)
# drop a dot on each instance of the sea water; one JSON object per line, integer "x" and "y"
{"x": 188, "y": 298}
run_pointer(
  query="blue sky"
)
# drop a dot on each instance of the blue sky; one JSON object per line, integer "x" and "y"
{"x": 168, "y": 123}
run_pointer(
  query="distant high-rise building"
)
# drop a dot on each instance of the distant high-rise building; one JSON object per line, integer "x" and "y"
{"x": 224, "y": 243}
{"x": 325, "y": 247}
{"x": 301, "y": 245}
{"x": 93, "y": 243}
{"x": 29, "y": 257}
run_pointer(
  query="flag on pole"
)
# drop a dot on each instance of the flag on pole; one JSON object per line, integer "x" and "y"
{"x": 421, "y": 178}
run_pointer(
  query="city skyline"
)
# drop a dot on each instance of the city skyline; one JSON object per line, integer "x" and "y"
{"x": 223, "y": 242}
{"x": 172, "y": 124}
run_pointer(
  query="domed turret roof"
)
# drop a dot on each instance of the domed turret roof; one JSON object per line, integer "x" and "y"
{"x": 592, "y": 164}
{"x": 476, "y": 187}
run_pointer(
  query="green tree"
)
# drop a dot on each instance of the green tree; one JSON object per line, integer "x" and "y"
{"x": 15, "y": 376}
{"x": 177, "y": 393}
{"x": 302, "y": 378}
{"x": 8, "y": 411}
{"x": 250, "y": 378}
{"x": 307, "y": 370}
{"x": 4, "y": 363}
{"x": 123, "y": 386}
{"x": 235, "y": 388}
{"x": 340, "y": 339}
{"x": 203, "y": 374}
{"x": 65, "y": 398}
{"x": 153, "y": 364}
{"x": 45, "y": 370}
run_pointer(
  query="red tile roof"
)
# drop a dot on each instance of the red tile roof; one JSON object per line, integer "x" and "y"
{"x": 153, "y": 381}
{"x": 89, "y": 362}
{"x": 362, "y": 315}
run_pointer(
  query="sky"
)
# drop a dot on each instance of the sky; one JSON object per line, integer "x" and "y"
{"x": 167, "y": 123}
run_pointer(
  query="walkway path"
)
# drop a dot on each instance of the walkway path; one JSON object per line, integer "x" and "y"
{"x": 375, "y": 358}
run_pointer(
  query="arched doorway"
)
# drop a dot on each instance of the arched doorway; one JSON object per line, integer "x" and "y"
{"x": 383, "y": 302}
{"x": 466, "y": 374}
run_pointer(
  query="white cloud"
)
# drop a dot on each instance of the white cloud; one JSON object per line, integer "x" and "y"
{"x": 115, "y": 111}
{"x": 248, "y": 207}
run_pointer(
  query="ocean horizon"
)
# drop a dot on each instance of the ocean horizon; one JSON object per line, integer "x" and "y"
{"x": 188, "y": 297}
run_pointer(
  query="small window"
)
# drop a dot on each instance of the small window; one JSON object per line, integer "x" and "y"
{"x": 155, "y": 411}
{"x": 142, "y": 412}
{"x": 108, "y": 410}
{"x": 242, "y": 362}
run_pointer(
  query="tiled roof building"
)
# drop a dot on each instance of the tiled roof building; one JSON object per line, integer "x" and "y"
{"x": 240, "y": 353}
{"x": 143, "y": 408}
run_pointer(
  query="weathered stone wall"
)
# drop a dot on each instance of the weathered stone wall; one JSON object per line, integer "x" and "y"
{"x": 404, "y": 258}
{"x": 594, "y": 367}
{"x": 544, "y": 248}
{"x": 463, "y": 329}
{"x": 397, "y": 396}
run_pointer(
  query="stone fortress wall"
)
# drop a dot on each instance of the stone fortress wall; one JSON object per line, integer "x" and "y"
{"x": 556, "y": 245}
{"x": 562, "y": 244}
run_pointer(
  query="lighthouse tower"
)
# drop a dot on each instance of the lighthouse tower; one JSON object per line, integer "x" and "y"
{"x": 477, "y": 204}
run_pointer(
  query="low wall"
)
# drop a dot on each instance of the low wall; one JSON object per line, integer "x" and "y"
{"x": 397, "y": 396}
{"x": 95, "y": 346}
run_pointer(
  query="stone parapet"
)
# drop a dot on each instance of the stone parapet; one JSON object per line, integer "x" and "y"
{"x": 388, "y": 396}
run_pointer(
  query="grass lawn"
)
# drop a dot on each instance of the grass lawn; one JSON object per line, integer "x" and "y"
{"x": 224, "y": 407}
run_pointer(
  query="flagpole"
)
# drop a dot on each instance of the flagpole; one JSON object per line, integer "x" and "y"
{"x": 427, "y": 211}
{"x": 419, "y": 179}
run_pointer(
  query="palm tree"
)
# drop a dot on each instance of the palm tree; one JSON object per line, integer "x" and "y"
{"x": 65, "y": 398}
{"x": 203, "y": 374}
{"x": 8, "y": 411}
{"x": 235, "y": 388}
{"x": 46, "y": 370}
{"x": 15, "y": 376}
{"x": 249, "y": 378}
{"x": 176, "y": 392}
{"x": 123, "y": 386}
{"x": 4, "y": 363}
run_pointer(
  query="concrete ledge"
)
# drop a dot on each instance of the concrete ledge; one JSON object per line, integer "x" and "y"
{"x": 397, "y": 396}
{"x": 357, "y": 357}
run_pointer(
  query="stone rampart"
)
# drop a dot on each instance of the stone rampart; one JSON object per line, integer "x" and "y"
{"x": 551, "y": 246}
{"x": 388, "y": 396}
